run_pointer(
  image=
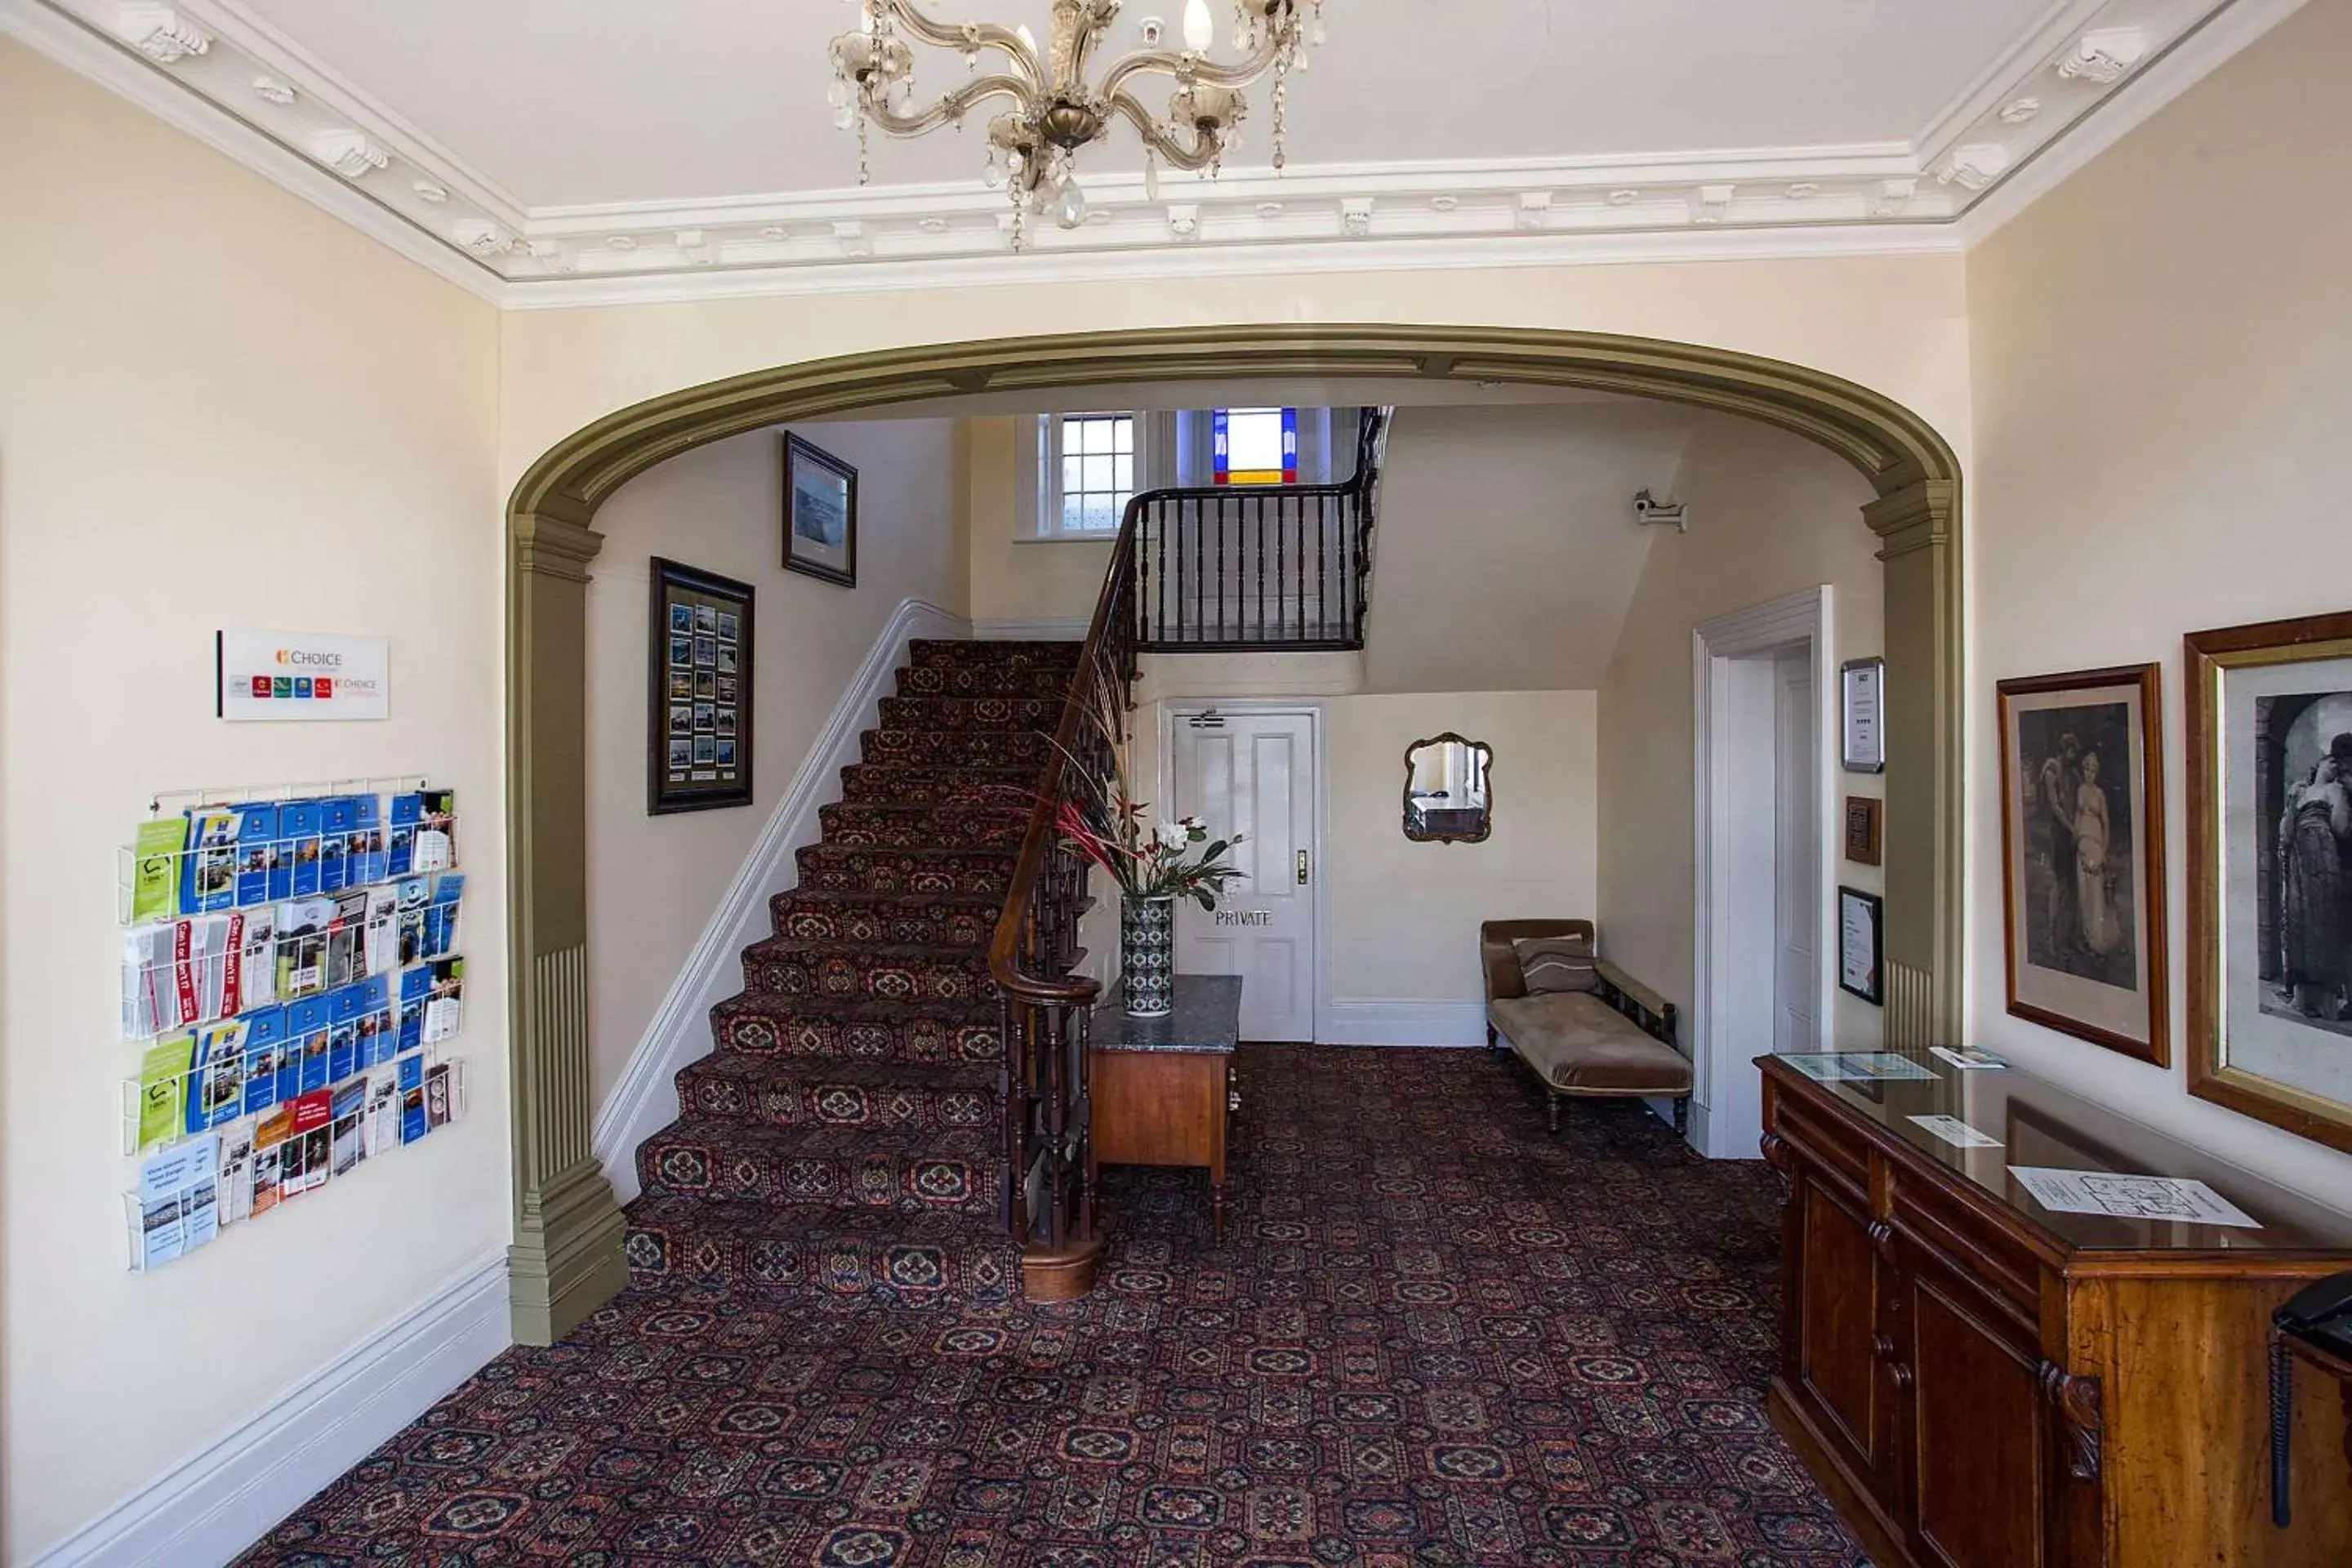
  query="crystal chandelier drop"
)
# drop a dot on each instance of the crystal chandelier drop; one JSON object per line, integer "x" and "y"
{"x": 1055, "y": 109}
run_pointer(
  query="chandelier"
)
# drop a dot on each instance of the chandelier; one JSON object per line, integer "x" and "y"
{"x": 1056, "y": 108}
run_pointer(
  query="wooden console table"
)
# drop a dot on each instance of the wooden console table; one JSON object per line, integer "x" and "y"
{"x": 1164, "y": 1087}
{"x": 1980, "y": 1382}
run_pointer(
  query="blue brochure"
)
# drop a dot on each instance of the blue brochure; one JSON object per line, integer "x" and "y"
{"x": 368, "y": 858}
{"x": 257, "y": 853}
{"x": 264, "y": 1058}
{"x": 407, "y": 811}
{"x": 337, "y": 816}
{"x": 300, "y": 826}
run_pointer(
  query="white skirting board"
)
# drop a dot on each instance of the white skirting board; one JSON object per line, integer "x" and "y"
{"x": 221, "y": 1500}
{"x": 1050, "y": 630}
{"x": 645, "y": 1100}
{"x": 1371, "y": 1021}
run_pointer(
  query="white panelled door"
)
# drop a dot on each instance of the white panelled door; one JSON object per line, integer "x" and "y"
{"x": 1254, "y": 773}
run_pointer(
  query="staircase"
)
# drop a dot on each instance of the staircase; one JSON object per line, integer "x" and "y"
{"x": 846, "y": 1139}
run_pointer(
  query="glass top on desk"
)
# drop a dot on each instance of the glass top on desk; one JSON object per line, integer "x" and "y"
{"x": 2038, "y": 1125}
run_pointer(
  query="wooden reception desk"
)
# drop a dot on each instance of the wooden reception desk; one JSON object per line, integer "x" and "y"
{"x": 1982, "y": 1382}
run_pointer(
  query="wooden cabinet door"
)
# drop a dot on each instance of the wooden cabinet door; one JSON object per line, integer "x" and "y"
{"x": 1976, "y": 1469}
{"x": 1832, "y": 1323}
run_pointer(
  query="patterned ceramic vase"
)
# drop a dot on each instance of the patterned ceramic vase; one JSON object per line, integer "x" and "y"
{"x": 1147, "y": 956}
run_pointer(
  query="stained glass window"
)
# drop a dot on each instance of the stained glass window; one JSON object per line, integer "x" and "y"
{"x": 1257, "y": 446}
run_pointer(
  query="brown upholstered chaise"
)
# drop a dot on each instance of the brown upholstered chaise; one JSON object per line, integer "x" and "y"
{"x": 1613, "y": 1042}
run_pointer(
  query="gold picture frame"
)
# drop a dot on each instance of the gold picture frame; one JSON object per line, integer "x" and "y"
{"x": 2270, "y": 980}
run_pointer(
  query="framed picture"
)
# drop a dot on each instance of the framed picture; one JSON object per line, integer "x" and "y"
{"x": 1862, "y": 689}
{"x": 1861, "y": 921}
{"x": 688, "y": 708}
{"x": 2082, "y": 867}
{"x": 1864, "y": 829}
{"x": 2270, "y": 894}
{"x": 820, "y": 514}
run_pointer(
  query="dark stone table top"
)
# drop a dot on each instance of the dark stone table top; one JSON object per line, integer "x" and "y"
{"x": 1207, "y": 1019}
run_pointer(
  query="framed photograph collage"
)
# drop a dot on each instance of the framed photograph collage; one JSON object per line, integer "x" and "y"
{"x": 698, "y": 748}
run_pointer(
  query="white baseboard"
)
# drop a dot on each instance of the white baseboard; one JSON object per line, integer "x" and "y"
{"x": 1050, "y": 629}
{"x": 646, "y": 1099}
{"x": 222, "y": 1500}
{"x": 1372, "y": 1021}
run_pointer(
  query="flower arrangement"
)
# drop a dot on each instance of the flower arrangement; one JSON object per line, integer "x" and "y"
{"x": 1156, "y": 861}
{"x": 1102, "y": 820}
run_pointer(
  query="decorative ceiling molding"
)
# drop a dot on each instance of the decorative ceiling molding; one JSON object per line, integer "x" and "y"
{"x": 214, "y": 68}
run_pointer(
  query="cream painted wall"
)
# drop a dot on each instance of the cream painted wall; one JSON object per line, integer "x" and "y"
{"x": 1021, "y": 579}
{"x": 1506, "y": 551}
{"x": 2164, "y": 356}
{"x": 654, "y": 881}
{"x": 1894, "y": 323}
{"x": 1771, "y": 514}
{"x": 1404, "y": 916}
{"x": 218, "y": 406}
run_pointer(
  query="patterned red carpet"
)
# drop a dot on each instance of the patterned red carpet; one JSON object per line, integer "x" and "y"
{"x": 1436, "y": 1336}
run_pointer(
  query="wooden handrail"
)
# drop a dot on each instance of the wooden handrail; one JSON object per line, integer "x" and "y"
{"x": 1046, "y": 1078}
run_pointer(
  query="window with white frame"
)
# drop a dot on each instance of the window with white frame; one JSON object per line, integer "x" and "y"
{"x": 1089, "y": 464}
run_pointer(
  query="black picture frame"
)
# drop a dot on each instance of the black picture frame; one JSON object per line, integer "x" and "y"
{"x": 808, "y": 507}
{"x": 1872, "y": 910}
{"x": 690, "y": 613}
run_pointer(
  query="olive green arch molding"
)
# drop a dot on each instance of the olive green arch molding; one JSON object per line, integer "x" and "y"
{"x": 567, "y": 1254}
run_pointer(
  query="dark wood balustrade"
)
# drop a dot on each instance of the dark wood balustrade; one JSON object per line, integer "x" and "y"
{"x": 1303, "y": 554}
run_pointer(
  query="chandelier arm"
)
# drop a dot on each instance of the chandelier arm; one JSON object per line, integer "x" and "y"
{"x": 1162, "y": 140}
{"x": 951, "y": 106}
{"x": 1190, "y": 68}
{"x": 966, "y": 36}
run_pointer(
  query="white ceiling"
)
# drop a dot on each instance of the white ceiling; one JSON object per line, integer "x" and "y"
{"x": 570, "y": 151}
{"x": 581, "y": 102}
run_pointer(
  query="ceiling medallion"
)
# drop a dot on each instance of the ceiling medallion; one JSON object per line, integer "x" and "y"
{"x": 1056, "y": 111}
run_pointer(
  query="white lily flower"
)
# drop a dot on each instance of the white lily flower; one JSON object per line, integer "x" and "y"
{"x": 1172, "y": 835}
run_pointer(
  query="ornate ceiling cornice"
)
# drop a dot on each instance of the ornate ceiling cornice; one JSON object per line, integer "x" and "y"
{"x": 212, "y": 67}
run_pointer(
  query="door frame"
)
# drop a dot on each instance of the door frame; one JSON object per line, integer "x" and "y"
{"x": 1802, "y": 619}
{"x": 1316, "y": 710}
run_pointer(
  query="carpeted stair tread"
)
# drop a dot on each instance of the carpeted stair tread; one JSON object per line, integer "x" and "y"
{"x": 882, "y": 972}
{"x": 1018, "y": 749}
{"x": 831, "y": 1091}
{"x": 973, "y": 713}
{"x": 1052, "y": 680}
{"x": 930, "y": 651}
{"x": 845, "y": 1254}
{"x": 915, "y": 1169}
{"x": 974, "y": 823}
{"x": 926, "y": 784}
{"x": 767, "y": 1005}
{"x": 957, "y": 920}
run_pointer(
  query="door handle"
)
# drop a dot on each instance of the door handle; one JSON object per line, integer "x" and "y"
{"x": 1302, "y": 868}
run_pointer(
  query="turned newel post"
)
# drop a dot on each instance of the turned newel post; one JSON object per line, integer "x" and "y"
{"x": 1921, "y": 954}
{"x": 566, "y": 1261}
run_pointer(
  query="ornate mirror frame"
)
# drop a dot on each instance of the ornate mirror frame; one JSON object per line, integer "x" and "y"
{"x": 1485, "y": 771}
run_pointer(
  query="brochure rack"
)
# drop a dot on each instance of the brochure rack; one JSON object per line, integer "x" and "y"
{"x": 292, "y": 970}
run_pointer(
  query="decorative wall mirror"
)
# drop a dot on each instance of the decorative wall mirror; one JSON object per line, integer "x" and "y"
{"x": 1448, "y": 791}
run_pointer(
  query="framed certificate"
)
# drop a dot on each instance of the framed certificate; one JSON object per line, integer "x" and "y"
{"x": 1860, "y": 917}
{"x": 1862, "y": 685}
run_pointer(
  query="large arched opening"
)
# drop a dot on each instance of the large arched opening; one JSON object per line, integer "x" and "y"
{"x": 567, "y": 1254}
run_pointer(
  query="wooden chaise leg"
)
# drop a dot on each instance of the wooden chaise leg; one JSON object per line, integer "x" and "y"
{"x": 1493, "y": 1042}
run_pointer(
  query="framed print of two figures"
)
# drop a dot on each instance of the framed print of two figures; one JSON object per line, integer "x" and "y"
{"x": 2083, "y": 856}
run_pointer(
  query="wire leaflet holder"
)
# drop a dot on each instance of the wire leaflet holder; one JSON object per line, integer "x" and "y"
{"x": 291, "y": 968}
